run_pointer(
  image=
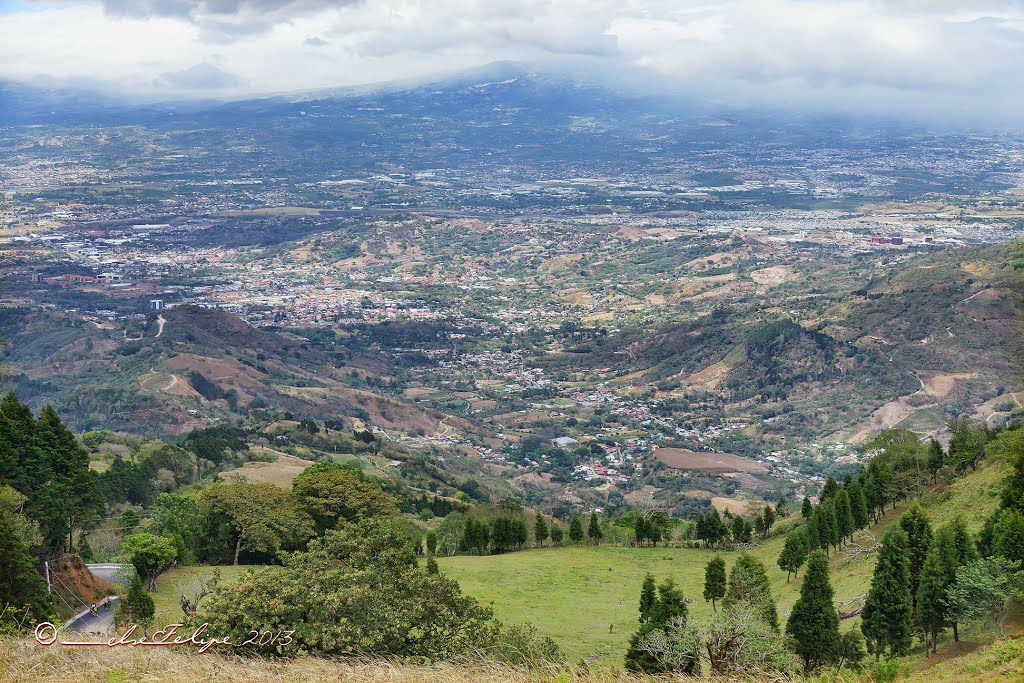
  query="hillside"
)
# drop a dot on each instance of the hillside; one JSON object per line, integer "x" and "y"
{"x": 931, "y": 338}
{"x": 184, "y": 367}
{"x": 585, "y": 597}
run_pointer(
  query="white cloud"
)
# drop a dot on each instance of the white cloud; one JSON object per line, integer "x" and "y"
{"x": 875, "y": 55}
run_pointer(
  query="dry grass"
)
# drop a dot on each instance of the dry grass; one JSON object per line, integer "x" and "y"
{"x": 23, "y": 661}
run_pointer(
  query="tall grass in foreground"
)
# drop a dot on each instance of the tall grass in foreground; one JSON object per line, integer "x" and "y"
{"x": 22, "y": 661}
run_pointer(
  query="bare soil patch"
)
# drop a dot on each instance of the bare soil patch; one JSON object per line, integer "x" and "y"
{"x": 685, "y": 459}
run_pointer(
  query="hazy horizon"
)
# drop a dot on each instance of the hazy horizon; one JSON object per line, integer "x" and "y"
{"x": 952, "y": 61}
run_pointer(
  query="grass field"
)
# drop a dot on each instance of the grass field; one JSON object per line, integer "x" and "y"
{"x": 585, "y": 598}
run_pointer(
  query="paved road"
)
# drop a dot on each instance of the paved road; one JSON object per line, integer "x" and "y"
{"x": 108, "y": 572}
{"x": 102, "y": 622}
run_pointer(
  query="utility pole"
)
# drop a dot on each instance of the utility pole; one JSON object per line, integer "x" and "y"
{"x": 49, "y": 587}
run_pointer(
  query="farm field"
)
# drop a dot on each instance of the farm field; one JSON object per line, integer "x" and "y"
{"x": 685, "y": 459}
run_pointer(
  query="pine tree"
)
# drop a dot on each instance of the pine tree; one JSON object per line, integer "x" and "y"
{"x": 640, "y": 530}
{"x": 748, "y": 583}
{"x": 812, "y": 533}
{"x": 936, "y": 458}
{"x": 556, "y": 533}
{"x": 594, "y": 532}
{"x": 138, "y": 606}
{"x": 714, "y": 581}
{"x": 919, "y": 536}
{"x": 831, "y": 522}
{"x": 931, "y": 588}
{"x": 575, "y": 530}
{"x": 844, "y": 516}
{"x": 71, "y": 497}
{"x": 886, "y": 618}
{"x": 1008, "y": 536}
{"x": 716, "y": 528}
{"x": 859, "y": 506}
{"x": 794, "y": 552}
{"x": 540, "y": 530}
{"x": 670, "y": 605}
{"x": 806, "y": 508}
{"x": 814, "y": 623}
{"x": 829, "y": 490}
{"x": 648, "y": 596}
{"x": 84, "y": 549}
{"x": 432, "y": 567}
{"x": 769, "y": 518}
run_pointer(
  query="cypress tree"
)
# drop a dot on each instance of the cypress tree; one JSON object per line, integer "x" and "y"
{"x": 859, "y": 506}
{"x": 831, "y": 523}
{"x": 919, "y": 536}
{"x": 670, "y": 605}
{"x": 812, "y": 533}
{"x": 556, "y": 533}
{"x": 540, "y": 530}
{"x": 886, "y": 618}
{"x": 138, "y": 607}
{"x": 936, "y": 458}
{"x": 648, "y": 597}
{"x": 594, "y": 532}
{"x": 768, "y": 515}
{"x": 575, "y": 530}
{"x": 828, "y": 491}
{"x": 794, "y": 552}
{"x": 748, "y": 583}
{"x": 814, "y": 623}
{"x": 432, "y": 567}
{"x": 70, "y": 497}
{"x": 844, "y": 515}
{"x": 714, "y": 581}
{"x": 640, "y": 530}
{"x": 716, "y": 529}
{"x": 806, "y": 508}
{"x": 964, "y": 552}
{"x": 936, "y": 574}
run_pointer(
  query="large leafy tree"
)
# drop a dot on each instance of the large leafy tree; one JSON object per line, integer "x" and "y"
{"x": 255, "y": 517}
{"x": 356, "y": 592}
{"x": 886, "y": 618}
{"x": 814, "y": 623}
{"x": 337, "y": 492}
{"x": 149, "y": 554}
{"x": 984, "y": 591}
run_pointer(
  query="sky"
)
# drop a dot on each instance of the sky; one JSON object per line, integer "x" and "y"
{"x": 929, "y": 58}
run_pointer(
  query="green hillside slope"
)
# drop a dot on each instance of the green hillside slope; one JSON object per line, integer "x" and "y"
{"x": 585, "y": 598}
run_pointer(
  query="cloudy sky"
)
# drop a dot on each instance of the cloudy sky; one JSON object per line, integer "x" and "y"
{"x": 933, "y": 57}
